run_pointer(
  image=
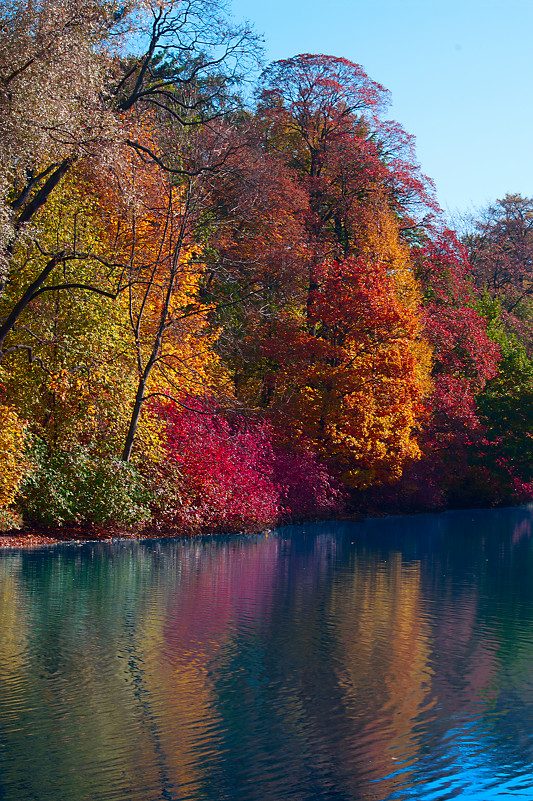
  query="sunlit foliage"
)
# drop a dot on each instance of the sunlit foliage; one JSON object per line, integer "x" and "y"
{"x": 244, "y": 315}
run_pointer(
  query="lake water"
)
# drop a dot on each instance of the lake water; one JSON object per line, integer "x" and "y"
{"x": 389, "y": 659}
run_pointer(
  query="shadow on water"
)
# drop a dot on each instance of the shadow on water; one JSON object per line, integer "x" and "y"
{"x": 387, "y": 659}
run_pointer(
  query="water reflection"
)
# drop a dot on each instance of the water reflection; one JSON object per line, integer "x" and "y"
{"x": 389, "y": 659}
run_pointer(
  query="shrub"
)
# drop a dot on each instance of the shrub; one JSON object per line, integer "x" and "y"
{"x": 306, "y": 488}
{"x": 227, "y": 473}
{"x": 74, "y": 486}
{"x": 225, "y": 468}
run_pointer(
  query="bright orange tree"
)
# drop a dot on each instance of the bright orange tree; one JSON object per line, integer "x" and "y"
{"x": 169, "y": 338}
{"x": 351, "y": 376}
{"x": 348, "y": 364}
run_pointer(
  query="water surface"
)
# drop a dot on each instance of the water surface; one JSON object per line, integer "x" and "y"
{"x": 389, "y": 659}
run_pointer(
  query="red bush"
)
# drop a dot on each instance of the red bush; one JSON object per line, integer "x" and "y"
{"x": 233, "y": 477}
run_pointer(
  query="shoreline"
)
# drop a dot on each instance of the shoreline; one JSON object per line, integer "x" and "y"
{"x": 28, "y": 538}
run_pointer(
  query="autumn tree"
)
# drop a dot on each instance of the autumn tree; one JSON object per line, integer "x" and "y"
{"x": 78, "y": 99}
{"x": 324, "y": 116}
{"x": 171, "y": 339}
{"x": 500, "y": 247}
{"x": 69, "y": 90}
{"x": 75, "y": 97}
{"x": 258, "y": 255}
{"x": 76, "y": 385}
{"x": 54, "y": 62}
{"x": 349, "y": 376}
{"x": 346, "y": 361}
{"x": 465, "y": 358}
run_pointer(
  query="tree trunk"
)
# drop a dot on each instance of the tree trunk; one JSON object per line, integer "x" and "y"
{"x": 134, "y": 422}
{"x": 26, "y": 298}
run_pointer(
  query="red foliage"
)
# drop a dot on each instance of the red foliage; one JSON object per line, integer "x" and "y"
{"x": 305, "y": 486}
{"x": 233, "y": 477}
{"x": 454, "y": 327}
{"x": 464, "y": 356}
{"x": 324, "y": 115}
{"x": 464, "y": 359}
{"x": 315, "y": 87}
{"x": 226, "y": 469}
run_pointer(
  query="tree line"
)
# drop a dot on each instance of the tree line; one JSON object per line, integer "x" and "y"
{"x": 221, "y": 309}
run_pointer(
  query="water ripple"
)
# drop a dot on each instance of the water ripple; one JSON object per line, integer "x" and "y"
{"x": 382, "y": 661}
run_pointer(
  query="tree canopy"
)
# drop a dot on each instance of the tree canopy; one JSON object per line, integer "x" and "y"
{"x": 245, "y": 312}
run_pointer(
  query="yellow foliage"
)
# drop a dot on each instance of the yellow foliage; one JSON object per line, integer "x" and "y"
{"x": 79, "y": 385}
{"x": 13, "y": 465}
{"x": 377, "y": 239}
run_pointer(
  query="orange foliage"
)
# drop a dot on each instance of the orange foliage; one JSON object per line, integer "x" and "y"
{"x": 170, "y": 333}
{"x": 351, "y": 379}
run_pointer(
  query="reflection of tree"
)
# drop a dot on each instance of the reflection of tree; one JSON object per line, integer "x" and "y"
{"x": 506, "y": 618}
{"x": 520, "y": 530}
{"x": 475, "y": 576}
{"x": 75, "y": 719}
{"x": 225, "y": 588}
{"x": 386, "y": 637}
{"x": 146, "y": 712}
{"x": 332, "y": 661}
{"x": 14, "y": 639}
{"x": 264, "y": 680}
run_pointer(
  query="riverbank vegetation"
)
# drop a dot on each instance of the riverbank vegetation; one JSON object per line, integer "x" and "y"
{"x": 223, "y": 306}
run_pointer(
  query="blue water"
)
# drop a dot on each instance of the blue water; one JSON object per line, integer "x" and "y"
{"x": 388, "y": 659}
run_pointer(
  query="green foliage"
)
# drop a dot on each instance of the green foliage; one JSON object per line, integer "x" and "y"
{"x": 505, "y": 406}
{"x": 10, "y": 520}
{"x": 74, "y": 486}
{"x": 491, "y": 309}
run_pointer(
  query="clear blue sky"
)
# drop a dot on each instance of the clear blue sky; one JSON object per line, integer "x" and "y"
{"x": 460, "y": 73}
